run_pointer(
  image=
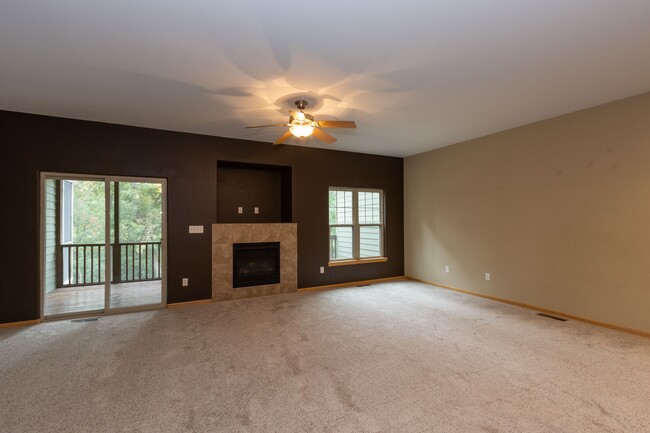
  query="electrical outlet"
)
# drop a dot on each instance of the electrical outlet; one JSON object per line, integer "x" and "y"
{"x": 487, "y": 276}
{"x": 186, "y": 282}
{"x": 447, "y": 268}
{"x": 240, "y": 210}
{"x": 322, "y": 269}
{"x": 257, "y": 210}
{"x": 196, "y": 229}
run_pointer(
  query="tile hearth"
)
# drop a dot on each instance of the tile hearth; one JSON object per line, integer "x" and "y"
{"x": 224, "y": 235}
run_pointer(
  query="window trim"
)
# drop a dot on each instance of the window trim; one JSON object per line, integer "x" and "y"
{"x": 346, "y": 262}
{"x": 356, "y": 229}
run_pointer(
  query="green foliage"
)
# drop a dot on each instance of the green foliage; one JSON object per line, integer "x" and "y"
{"x": 88, "y": 212}
{"x": 140, "y": 212}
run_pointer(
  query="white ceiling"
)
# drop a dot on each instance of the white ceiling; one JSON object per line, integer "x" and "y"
{"x": 413, "y": 74}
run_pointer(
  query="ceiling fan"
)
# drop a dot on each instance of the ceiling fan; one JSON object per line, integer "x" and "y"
{"x": 303, "y": 125}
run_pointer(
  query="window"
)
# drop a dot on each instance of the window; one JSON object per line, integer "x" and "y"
{"x": 356, "y": 218}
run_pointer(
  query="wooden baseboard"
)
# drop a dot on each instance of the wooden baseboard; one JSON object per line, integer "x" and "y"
{"x": 188, "y": 303}
{"x": 23, "y": 323}
{"x": 536, "y": 308}
{"x": 350, "y": 284}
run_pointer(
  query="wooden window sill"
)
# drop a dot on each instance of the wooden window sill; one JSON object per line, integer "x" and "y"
{"x": 357, "y": 261}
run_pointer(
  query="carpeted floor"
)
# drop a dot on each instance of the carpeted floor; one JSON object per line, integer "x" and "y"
{"x": 393, "y": 357}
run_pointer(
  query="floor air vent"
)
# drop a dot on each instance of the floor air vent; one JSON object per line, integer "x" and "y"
{"x": 86, "y": 319}
{"x": 550, "y": 316}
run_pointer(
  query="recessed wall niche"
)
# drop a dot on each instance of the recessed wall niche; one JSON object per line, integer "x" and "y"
{"x": 250, "y": 186}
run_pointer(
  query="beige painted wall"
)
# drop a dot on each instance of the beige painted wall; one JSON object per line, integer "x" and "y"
{"x": 557, "y": 211}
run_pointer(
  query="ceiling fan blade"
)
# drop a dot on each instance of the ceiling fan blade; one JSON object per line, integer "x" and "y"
{"x": 284, "y": 138}
{"x": 323, "y": 136}
{"x": 337, "y": 124}
{"x": 267, "y": 126}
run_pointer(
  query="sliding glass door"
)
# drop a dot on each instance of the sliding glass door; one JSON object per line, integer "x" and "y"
{"x": 102, "y": 246}
{"x": 136, "y": 244}
{"x": 74, "y": 245}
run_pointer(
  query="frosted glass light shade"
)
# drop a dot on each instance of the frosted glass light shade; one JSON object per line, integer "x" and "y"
{"x": 301, "y": 131}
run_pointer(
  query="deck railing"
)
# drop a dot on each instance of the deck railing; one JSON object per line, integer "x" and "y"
{"x": 84, "y": 264}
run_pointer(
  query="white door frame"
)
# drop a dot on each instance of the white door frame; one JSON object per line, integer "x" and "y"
{"x": 108, "y": 257}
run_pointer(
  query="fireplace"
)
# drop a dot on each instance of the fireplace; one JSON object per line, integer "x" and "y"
{"x": 224, "y": 236}
{"x": 255, "y": 264}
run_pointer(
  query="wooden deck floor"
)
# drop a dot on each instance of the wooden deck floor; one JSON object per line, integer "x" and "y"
{"x": 88, "y": 298}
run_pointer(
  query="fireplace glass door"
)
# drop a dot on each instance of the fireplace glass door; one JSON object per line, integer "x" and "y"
{"x": 256, "y": 264}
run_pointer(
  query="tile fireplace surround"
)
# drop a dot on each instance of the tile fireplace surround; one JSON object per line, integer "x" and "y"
{"x": 224, "y": 235}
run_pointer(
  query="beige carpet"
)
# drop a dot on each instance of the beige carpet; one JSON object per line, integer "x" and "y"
{"x": 394, "y": 357}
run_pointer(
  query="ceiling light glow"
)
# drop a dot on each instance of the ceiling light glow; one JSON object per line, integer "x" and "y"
{"x": 301, "y": 131}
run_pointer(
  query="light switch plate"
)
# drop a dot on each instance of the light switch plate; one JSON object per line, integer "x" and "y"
{"x": 196, "y": 229}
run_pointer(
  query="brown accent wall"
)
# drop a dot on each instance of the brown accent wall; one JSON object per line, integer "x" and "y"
{"x": 557, "y": 211}
{"x": 251, "y": 187}
{"x": 30, "y": 144}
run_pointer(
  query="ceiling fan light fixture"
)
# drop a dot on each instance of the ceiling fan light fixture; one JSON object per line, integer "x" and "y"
{"x": 302, "y": 125}
{"x": 302, "y": 131}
